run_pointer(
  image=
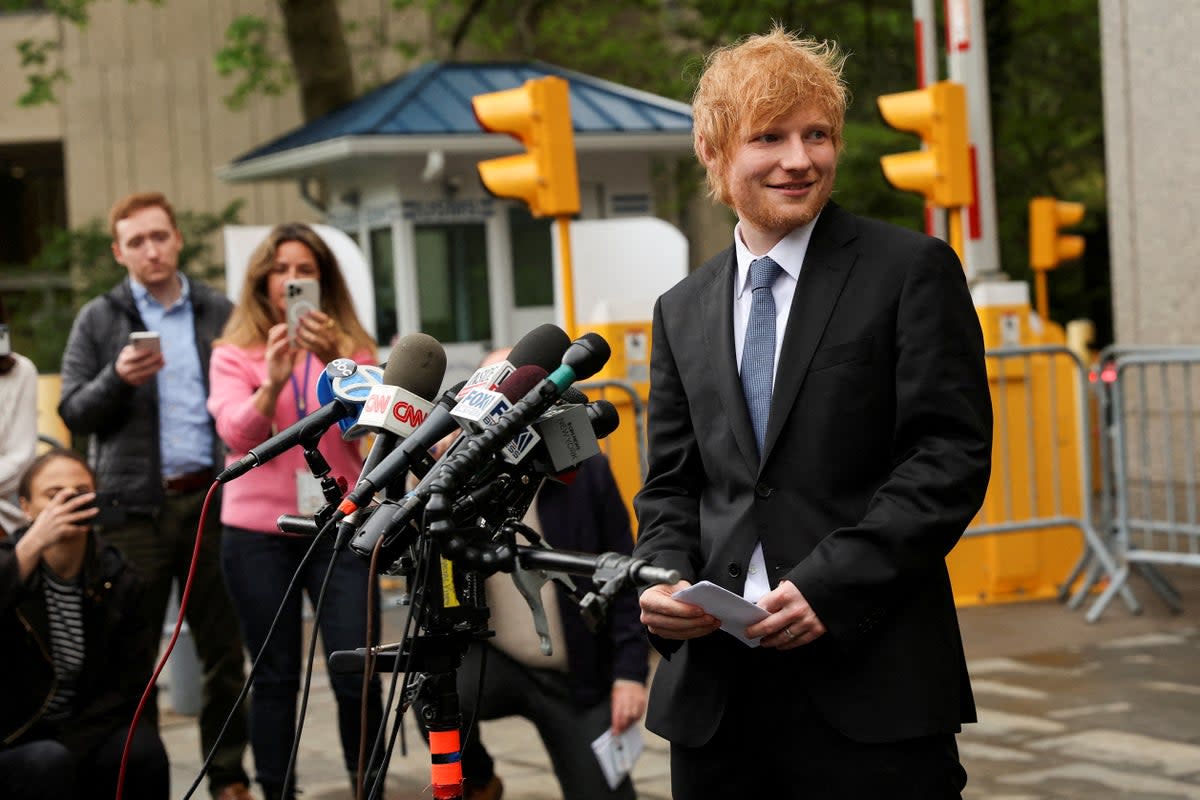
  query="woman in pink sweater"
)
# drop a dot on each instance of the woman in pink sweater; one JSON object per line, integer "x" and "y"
{"x": 260, "y": 383}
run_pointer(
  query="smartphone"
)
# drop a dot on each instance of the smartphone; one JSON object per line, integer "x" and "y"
{"x": 303, "y": 295}
{"x": 145, "y": 340}
{"x": 5, "y": 342}
{"x": 112, "y": 513}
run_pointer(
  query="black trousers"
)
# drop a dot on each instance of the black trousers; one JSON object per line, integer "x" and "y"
{"x": 43, "y": 769}
{"x": 772, "y": 742}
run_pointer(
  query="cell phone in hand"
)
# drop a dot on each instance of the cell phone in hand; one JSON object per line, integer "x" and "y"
{"x": 145, "y": 340}
{"x": 112, "y": 513}
{"x": 302, "y": 295}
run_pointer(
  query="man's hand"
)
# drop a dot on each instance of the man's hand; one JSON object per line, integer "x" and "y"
{"x": 628, "y": 704}
{"x": 136, "y": 365}
{"x": 674, "y": 619}
{"x": 792, "y": 622}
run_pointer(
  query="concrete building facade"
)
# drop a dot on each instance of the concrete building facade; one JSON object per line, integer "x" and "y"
{"x": 1152, "y": 141}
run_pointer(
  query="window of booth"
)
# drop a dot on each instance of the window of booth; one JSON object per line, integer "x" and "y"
{"x": 532, "y": 259}
{"x": 452, "y": 280}
{"x": 383, "y": 275}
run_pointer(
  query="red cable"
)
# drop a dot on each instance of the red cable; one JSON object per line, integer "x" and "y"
{"x": 183, "y": 600}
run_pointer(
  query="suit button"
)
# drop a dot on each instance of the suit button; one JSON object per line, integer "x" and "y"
{"x": 763, "y": 491}
{"x": 735, "y": 569}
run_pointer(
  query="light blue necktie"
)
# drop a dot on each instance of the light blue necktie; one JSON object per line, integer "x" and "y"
{"x": 758, "y": 351}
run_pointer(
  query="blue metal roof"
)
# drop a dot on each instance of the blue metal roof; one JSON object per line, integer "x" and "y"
{"x": 435, "y": 99}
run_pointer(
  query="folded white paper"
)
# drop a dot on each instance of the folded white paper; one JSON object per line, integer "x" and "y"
{"x": 734, "y": 611}
{"x": 618, "y": 754}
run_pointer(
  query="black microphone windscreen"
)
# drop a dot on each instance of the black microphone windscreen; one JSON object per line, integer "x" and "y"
{"x": 604, "y": 418}
{"x": 573, "y": 396}
{"x": 543, "y": 346}
{"x": 418, "y": 364}
{"x": 587, "y": 355}
{"x": 456, "y": 388}
{"x": 522, "y": 379}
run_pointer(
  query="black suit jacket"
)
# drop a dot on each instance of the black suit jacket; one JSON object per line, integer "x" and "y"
{"x": 877, "y": 456}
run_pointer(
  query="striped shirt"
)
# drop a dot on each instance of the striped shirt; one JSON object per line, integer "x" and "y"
{"x": 64, "y": 607}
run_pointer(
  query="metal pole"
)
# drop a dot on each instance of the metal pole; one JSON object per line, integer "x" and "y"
{"x": 925, "y": 39}
{"x": 966, "y": 42}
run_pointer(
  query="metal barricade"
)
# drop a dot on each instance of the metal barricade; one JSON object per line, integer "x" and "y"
{"x": 1147, "y": 400}
{"x": 1041, "y": 483}
{"x": 599, "y": 390}
{"x": 626, "y": 446}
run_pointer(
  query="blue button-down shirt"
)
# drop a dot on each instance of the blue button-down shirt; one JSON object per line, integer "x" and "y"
{"x": 185, "y": 436}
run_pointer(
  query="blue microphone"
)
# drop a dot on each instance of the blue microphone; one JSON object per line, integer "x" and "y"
{"x": 346, "y": 390}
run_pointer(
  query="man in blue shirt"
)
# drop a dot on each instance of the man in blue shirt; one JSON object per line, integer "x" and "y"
{"x": 152, "y": 443}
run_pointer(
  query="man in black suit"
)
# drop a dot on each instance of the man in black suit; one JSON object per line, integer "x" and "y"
{"x": 822, "y": 473}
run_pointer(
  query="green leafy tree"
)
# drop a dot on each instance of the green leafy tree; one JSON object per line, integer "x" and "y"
{"x": 1043, "y": 66}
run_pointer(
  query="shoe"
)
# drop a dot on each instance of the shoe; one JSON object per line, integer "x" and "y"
{"x": 234, "y": 791}
{"x": 492, "y": 790}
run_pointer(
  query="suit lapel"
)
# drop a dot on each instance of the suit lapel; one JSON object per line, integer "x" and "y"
{"x": 717, "y": 324}
{"x": 826, "y": 266}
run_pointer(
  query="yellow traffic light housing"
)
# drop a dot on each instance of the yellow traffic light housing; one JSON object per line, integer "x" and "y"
{"x": 1047, "y": 248}
{"x": 942, "y": 171}
{"x": 538, "y": 114}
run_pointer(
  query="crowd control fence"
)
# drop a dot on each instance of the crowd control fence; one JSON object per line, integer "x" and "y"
{"x": 1147, "y": 410}
{"x": 1035, "y": 535}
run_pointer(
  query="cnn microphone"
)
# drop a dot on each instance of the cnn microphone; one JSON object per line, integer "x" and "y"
{"x": 399, "y": 406}
{"x": 349, "y": 390}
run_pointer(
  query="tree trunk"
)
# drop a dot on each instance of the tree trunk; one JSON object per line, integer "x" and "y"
{"x": 319, "y": 55}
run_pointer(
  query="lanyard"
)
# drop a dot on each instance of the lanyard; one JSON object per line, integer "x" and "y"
{"x": 300, "y": 396}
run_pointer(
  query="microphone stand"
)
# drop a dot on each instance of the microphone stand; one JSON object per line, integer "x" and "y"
{"x": 456, "y": 614}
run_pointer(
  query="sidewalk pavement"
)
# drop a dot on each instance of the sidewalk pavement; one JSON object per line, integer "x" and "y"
{"x": 1067, "y": 710}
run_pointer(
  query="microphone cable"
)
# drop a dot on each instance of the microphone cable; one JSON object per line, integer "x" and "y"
{"x": 258, "y": 657}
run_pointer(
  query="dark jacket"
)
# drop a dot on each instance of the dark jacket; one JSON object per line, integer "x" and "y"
{"x": 122, "y": 420}
{"x": 112, "y": 680}
{"x": 877, "y": 456}
{"x": 590, "y": 516}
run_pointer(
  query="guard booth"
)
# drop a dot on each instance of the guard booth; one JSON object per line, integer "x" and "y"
{"x": 395, "y": 173}
{"x": 396, "y": 170}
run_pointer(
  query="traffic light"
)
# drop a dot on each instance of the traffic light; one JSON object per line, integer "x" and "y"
{"x": 1046, "y": 246}
{"x": 942, "y": 171}
{"x": 538, "y": 114}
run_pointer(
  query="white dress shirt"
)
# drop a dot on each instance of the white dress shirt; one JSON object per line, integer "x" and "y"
{"x": 788, "y": 254}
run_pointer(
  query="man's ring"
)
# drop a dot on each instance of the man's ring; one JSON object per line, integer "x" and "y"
{"x": 329, "y": 323}
{"x": 788, "y": 633}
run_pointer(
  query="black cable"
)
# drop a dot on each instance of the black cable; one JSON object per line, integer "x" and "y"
{"x": 308, "y": 668}
{"x": 254, "y": 667}
{"x": 418, "y": 606}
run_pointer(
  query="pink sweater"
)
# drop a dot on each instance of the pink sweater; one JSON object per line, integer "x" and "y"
{"x": 255, "y": 500}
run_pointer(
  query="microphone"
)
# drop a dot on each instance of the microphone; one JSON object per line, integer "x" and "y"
{"x": 386, "y": 524}
{"x": 355, "y": 382}
{"x": 582, "y": 359}
{"x": 543, "y": 346}
{"x": 398, "y": 407}
{"x": 348, "y": 389}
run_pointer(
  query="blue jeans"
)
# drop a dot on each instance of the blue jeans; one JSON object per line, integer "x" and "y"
{"x": 258, "y": 568}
